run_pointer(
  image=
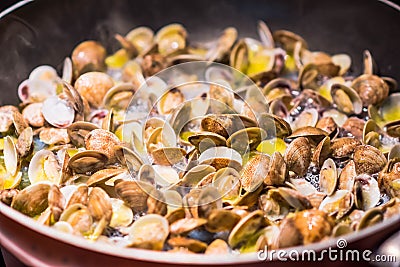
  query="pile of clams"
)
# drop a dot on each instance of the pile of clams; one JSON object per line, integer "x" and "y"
{"x": 319, "y": 158}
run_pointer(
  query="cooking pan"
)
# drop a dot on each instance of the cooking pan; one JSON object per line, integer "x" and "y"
{"x": 45, "y": 31}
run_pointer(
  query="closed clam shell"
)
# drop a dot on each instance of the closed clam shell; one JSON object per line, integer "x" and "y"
{"x": 93, "y": 86}
{"x": 344, "y": 147}
{"x": 328, "y": 124}
{"x": 88, "y": 56}
{"x": 369, "y": 159}
{"x": 32, "y": 200}
{"x": 168, "y": 156}
{"x": 254, "y": 172}
{"x": 103, "y": 141}
{"x": 277, "y": 170}
{"x": 322, "y": 151}
{"x": 134, "y": 194}
{"x": 226, "y": 124}
{"x": 304, "y": 227}
{"x": 355, "y": 126}
{"x": 99, "y": 205}
{"x": 88, "y": 161}
{"x": 371, "y": 89}
{"x": 24, "y": 143}
{"x": 389, "y": 177}
{"x": 33, "y": 114}
{"x": 298, "y": 156}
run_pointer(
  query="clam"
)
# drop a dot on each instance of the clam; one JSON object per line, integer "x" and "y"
{"x": 53, "y": 136}
{"x": 165, "y": 175}
{"x": 56, "y": 202}
{"x": 222, "y": 45}
{"x": 119, "y": 96}
{"x": 246, "y": 140}
{"x": 389, "y": 177}
{"x": 122, "y": 215}
{"x": 58, "y": 112}
{"x": 102, "y": 141}
{"x": 322, "y": 151}
{"x": 277, "y": 170}
{"x": 347, "y": 176}
{"x": 294, "y": 198}
{"x": 156, "y": 203}
{"x": 18, "y": 122}
{"x": 93, "y": 86}
{"x": 371, "y": 217}
{"x": 371, "y": 89}
{"x": 346, "y": 99}
{"x": 134, "y": 194}
{"x": 254, "y": 172}
{"x": 328, "y": 125}
{"x": 328, "y": 177}
{"x": 183, "y": 226}
{"x": 338, "y": 204}
{"x": 308, "y": 117}
{"x": 303, "y": 228}
{"x": 78, "y": 131}
{"x": 226, "y": 124}
{"x": 44, "y": 167}
{"x": 220, "y": 157}
{"x": 227, "y": 182}
{"x": 189, "y": 243}
{"x": 368, "y": 159}
{"x": 88, "y": 56}
{"x": 217, "y": 247}
{"x": 246, "y": 227}
{"x": 149, "y": 232}
{"x": 355, "y": 126}
{"x": 204, "y": 140}
{"x": 169, "y": 101}
{"x": 102, "y": 177}
{"x": 25, "y": 141}
{"x": 99, "y": 205}
{"x": 170, "y": 38}
{"x": 168, "y": 156}
{"x": 342, "y": 60}
{"x": 196, "y": 174}
{"x": 274, "y": 125}
{"x": 313, "y": 134}
{"x": 209, "y": 200}
{"x": 298, "y": 156}
{"x": 79, "y": 218}
{"x": 220, "y": 220}
{"x": 32, "y": 114}
{"x": 11, "y": 158}
{"x": 366, "y": 192}
{"x": 79, "y": 195}
{"x": 6, "y": 118}
{"x": 33, "y": 200}
{"x": 128, "y": 158}
{"x": 311, "y": 74}
{"x": 344, "y": 147}
{"x": 141, "y": 38}
{"x": 88, "y": 161}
